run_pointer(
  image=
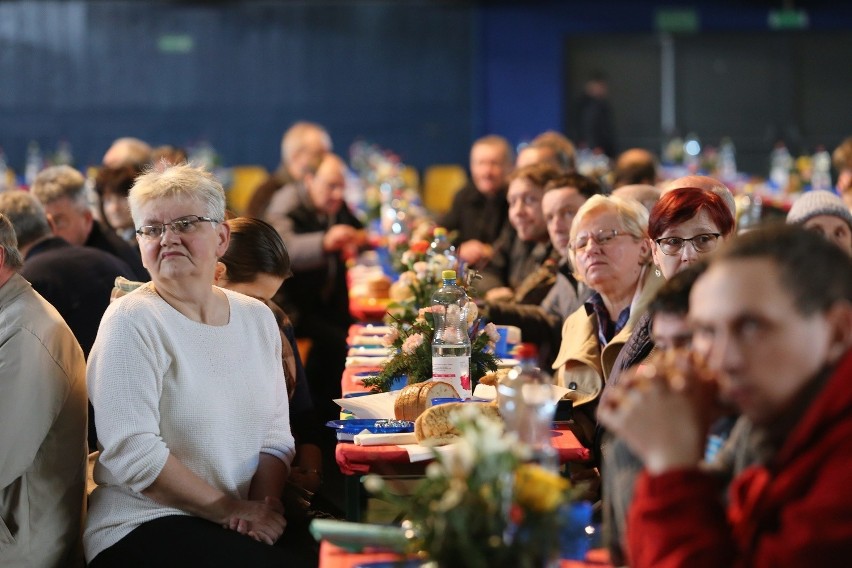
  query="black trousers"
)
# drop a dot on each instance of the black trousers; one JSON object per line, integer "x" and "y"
{"x": 181, "y": 540}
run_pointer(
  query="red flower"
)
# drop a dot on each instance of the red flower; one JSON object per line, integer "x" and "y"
{"x": 419, "y": 247}
{"x": 516, "y": 514}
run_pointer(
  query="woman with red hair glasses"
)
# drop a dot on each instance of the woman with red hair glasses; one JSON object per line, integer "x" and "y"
{"x": 685, "y": 226}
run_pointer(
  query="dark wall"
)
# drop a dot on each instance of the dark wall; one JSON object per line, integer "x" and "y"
{"x": 423, "y": 78}
{"x": 536, "y": 56}
{"x": 236, "y": 74}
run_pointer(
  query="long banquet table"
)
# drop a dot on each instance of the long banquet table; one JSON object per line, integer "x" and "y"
{"x": 332, "y": 556}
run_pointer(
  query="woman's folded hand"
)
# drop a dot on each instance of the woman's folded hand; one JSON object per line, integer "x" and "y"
{"x": 261, "y": 520}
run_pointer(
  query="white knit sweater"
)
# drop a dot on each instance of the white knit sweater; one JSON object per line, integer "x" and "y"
{"x": 214, "y": 397}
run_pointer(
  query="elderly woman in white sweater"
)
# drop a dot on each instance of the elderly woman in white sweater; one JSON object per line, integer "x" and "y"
{"x": 190, "y": 399}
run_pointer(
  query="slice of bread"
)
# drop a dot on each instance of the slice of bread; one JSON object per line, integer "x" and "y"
{"x": 434, "y": 428}
{"x": 414, "y": 399}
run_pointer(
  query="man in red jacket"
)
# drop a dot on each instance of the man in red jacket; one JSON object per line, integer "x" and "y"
{"x": 772, "y": 320}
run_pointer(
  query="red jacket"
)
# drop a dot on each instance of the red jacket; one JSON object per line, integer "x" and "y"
{"x": 797, "y": 512}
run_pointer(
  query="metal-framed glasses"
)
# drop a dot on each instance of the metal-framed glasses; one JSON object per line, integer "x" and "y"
{"x": 705, "y": 242}
{"x": 180, "y": 226}
{"x": 601, "y": 237}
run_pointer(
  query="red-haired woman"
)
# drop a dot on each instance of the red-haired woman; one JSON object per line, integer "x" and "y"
{"x": 685, "y": 226}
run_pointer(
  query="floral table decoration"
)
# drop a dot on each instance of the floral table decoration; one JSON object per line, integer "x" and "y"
{"x": 483, "y": 505}
{"x": 412, "y": 345}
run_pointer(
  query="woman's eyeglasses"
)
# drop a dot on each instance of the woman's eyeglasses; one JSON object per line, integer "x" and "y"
{"x": 180, "y": 226}
{"x": 704, "y": 242}
{"x": 601, "y": 237}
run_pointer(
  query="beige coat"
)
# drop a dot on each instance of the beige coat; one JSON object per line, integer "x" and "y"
{"x": 580, "y": 359}
{"x": 42, "y": 432}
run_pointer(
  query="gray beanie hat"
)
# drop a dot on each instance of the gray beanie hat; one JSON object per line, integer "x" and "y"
{"x": 818, "y": 202}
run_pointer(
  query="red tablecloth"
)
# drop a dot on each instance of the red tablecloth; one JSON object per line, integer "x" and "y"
{"x": 368, "y": 309}
{"x": 335, "y": 557}
{"x": 350, "y": 382}
{"x": 354, "y": 459}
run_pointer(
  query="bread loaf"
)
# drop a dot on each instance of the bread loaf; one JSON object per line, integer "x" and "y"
{"x": 434, "y": 428}
{"x": 377, "y": 286}
{"x": 414, "y": 399}
{"x": 491, "y": 379}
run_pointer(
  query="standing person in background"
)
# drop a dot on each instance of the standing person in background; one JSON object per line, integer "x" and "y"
{"x": 594, "y": 117}
{"x": 62, "y": 192}
{"x": 302, "y": 148}
{"x": 43, "y": 438}
{"x": 479, "y": 210}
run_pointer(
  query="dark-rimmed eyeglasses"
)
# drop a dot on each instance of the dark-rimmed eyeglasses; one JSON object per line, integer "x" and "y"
{"x": 180, "y": 226}
{"x": 705, "y": 242}
{"x": 601, "y": 237}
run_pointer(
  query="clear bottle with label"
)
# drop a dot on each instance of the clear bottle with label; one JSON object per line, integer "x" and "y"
{"x": 527, "y": 404}
{"x": 451, "y": 342}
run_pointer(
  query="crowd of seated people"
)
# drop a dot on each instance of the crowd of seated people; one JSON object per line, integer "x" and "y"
{"x": 708, "y": 369}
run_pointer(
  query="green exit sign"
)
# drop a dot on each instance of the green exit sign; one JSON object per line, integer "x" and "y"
{"x": 677, "y": 20}
{"x": 175, "y": 43}
{"x": 788, "y": 20}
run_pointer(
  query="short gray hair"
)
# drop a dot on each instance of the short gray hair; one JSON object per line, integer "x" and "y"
{"x": 26, "y": 215}
{"x": 181, "y": 181}
{"x": 9, "y": 244}
{"x": 56, "y": 182}
{"x": 632, "y": 216}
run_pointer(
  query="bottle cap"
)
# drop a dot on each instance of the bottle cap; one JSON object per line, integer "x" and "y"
{"x": 439, "y": 231}
{"x": 448, "y": 275}
{"x": 526, "y": 351}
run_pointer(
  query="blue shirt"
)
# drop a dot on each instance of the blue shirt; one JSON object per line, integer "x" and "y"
{"x": 607, "y": 329}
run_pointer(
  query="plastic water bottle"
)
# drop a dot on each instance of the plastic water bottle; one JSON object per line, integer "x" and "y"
{"x": 780, "y": 164}
{"x": 821, "y": 172}
{"x": 63, "y": 155}
{"x": 727, "y": 160}
{"x": 442, "y": 247}
{"x": 34, "y": 162}
{"x": 527, "y": 405}
{"x": 451, "y": 342}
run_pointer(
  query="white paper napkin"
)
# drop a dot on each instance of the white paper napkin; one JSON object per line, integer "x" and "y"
{"x": 374, "y": 406}
{"x": 367, "y": 438}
